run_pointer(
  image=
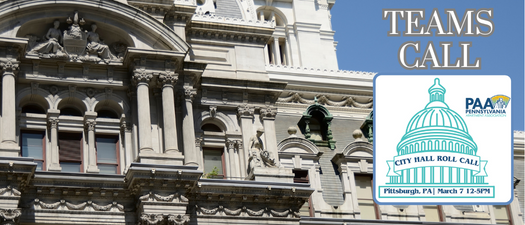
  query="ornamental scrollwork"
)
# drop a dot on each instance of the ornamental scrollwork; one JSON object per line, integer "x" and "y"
{"x": 178, "y": 219}
{"x": 151, "y": 219}
{"x": 10, "y": 216}
{"x": 9, "y": 191}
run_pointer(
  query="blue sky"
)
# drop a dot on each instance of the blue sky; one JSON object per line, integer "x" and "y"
{"x": 365, "y": 46}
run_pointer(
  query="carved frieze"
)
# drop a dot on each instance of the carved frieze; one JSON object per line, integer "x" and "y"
{"x": 247, "y": 212}
{"x": 85, "y": 206}
{"x": 347, "y": 101}
{"x": 173, "y": 198}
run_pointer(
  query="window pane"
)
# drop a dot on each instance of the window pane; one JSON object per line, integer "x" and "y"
{"x": 213, "y": 159}
{"x": 107, "y": 150}
{"x": 70, "y": 167}
{"x": 107, "y": 169}
{"x": 32, "y": 145}
{"x": 69, "y": 145}
{"x": 431, "y": 213}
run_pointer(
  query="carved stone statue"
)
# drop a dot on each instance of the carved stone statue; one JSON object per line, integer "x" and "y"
{"x": 259, "y": 157}
{"x": 53, "y": 43}
{"x": 96, "y": 46}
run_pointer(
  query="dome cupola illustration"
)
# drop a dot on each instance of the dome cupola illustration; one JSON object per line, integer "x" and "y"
{"x": 437, "y": 147}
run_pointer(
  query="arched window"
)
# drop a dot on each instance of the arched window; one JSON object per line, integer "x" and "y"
{"x": 315, "y": 125}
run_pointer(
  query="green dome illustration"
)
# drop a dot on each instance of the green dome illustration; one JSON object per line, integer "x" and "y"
{"x": 438, "y": 144}
{"x": 438, "y": 125}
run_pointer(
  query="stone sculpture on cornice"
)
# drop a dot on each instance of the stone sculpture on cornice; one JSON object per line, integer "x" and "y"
{"x": 52, "y": 46}
{"x": 259, "y": 157}
{"x": 96, "y": 46}
{"x": 76, "y": 44}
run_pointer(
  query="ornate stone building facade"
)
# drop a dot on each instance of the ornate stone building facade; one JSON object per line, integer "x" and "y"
{"x": 190, "y": 112}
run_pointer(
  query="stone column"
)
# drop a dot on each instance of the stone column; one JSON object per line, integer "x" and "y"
{"x": 55, "y": 163}
{"x": 167, "y": 80}
{"x": 142, "y": 79}
{"x": 92, "y": 154}
{"x": 287, "y": 52}
{"x": 190, "y": 154}
{"x": 276, "y": 51}
{"x": 261, "y": 15}
{"x": 245, "y": 112}
{"x": 230, "y": 145}
{"x": 268, "y": 118}
{"x": 9, "y": 146}
{"x": 266, "y": 57}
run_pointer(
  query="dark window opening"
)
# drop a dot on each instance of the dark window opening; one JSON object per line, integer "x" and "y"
{"x": 211, "y": 127}
{"x": 317, "y": 126}
{"x": 32, "y": 108}
{"x": 107, "y": 114}
{"x": 68, "y": 111}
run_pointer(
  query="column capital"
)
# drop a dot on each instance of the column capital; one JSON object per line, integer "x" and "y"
{"x": 268, "y": 112}
{"x": 53, "y": 122}
{"x": 168, "y": 78}
{"x": 233, "y": 144}
{"x": 198, "y": 141}
{"x": 189, "y": 92}
{"x": 90, "y": 125}
{"x": 245, "y": 110}
{"x": 142, "y": 76}
{"x": 9, "y": 66}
